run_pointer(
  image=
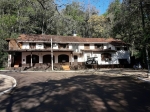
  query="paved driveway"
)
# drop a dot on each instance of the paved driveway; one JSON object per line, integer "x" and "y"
{"x": 76, "y": 92}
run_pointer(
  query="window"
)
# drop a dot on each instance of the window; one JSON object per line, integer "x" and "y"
{"x": 47, "y": 45}
{"x": 99, "y": 46}
{"x": 86, "y": 46}
{"x": 118, "y": 48}
{"x": 106, "y": 57}
{"x": 63, "y": 58}
{"x": 32, "y": 45}
{"x": 63, "y": 46}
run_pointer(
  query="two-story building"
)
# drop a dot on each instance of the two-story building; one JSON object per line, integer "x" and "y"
{"x": 28, "y": 50}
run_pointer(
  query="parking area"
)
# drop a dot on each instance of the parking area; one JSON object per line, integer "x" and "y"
{"x": 84, "y": 91}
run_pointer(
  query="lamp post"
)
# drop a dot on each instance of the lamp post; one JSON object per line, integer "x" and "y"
{"x": 52, "y": 54}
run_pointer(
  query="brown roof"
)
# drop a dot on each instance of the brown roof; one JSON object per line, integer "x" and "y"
{"x": 62, "y": 39}
{"x": 39, "y": 50}
{"x": 99, "y": 50}
{"x": 118, "y": 43}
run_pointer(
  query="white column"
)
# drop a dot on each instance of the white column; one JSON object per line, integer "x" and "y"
{"x": 71, "y": 58}
{"x": 56, "y": 58}
{"x": 40, "y": 57}
{"x": 9, "y": 60}
{"x": 52, "y": 53}
{"x": 31, "y": 59}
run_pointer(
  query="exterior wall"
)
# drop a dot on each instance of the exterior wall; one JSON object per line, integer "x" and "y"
{"x": 114, "y": 59}
{"x": 82, "y": 57}
{"x": 105, "y": 46}
{"x": 121, "y": 54}
{"x": 81, "y": 46}
{"x": 55, "y": 46}
{"x": 98, "y": 55}
{"x": 86, "y": 54}
{"x": 41, "y": 54}
{"x": 75, "y": 47}
{"x": 39, "y": 46}
{"x": 70, "y": 46}
{"x": 92, "y": 46}
{"x": 111, "y": 46}
{"x": 25, "y": 45}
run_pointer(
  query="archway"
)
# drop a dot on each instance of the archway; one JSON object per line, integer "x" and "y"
{"x": 35, "y": 59}
{"x": 63, "y": 58}
{"x": 47, "y": 58}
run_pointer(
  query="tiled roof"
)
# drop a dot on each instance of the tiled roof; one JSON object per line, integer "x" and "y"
{"x": 99, "y": 50}
{"x": 62, "y": 39}
{"x": 118, "y": 43}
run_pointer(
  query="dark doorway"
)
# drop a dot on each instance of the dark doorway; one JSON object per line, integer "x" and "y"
{"x": 17, "y": 59}
{"x": 75, "y": 60}
{"x": 63, "y": 58}
{"x": 47, "y": 58}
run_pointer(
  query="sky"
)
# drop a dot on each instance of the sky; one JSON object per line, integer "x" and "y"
{"x": 101, "y": 5}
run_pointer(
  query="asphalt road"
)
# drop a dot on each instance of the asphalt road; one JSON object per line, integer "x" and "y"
{"x": 75, "y": 92}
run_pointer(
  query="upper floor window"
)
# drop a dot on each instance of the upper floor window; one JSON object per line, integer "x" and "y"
{"x": 32, "y": 45}
{"x": 86, "y": 46}
{"x": 99, "y": 46}
{"x": 47, "y": 45}
{"x": 63, "y": 46}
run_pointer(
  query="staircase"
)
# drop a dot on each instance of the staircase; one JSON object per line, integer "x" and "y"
{"x": 16, "y": 65}
{"x": 66, "y": 67}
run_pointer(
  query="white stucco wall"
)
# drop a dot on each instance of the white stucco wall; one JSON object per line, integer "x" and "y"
{"x": 122, "y": 54}
{"x": 105, "y": 46}
{"x": 87, "y": 54}
{"x": 70, "y": 46}
{"x": 25, "y": 45}
{"x": 111, "y": 46}
{"x": 39, "y": 45}
{"x": 92, "y": 46}
{"x": 55, "y": 46}
{"x": 81, "y": 46}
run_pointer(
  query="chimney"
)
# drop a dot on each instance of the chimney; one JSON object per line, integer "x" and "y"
{"x": 74, "y": 33}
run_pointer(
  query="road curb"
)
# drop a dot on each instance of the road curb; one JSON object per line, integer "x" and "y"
{"x": 13, "y": 86}
{"x": 144, "y": 79}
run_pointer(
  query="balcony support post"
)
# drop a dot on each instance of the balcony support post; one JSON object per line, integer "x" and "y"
{"x": 31, "y": 60}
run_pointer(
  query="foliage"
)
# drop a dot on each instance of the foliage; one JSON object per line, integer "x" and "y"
{"x": 98, "y": 25}
{"x": 132, "y": 24}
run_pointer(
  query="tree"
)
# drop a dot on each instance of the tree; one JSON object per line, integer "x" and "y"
{"x": 98, "y": 25}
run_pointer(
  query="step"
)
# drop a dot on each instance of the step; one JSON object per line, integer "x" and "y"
{"x": 66, "y": 67}
{"x": 16, "y": 66}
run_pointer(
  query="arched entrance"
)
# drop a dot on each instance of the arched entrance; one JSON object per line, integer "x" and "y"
{"x": 47, "y": 58}
{"x": 35, "y": 59}
{"x": 63, "y": 58}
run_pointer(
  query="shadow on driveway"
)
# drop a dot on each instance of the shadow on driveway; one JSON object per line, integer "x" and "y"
{"x": 80, "y": 94}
